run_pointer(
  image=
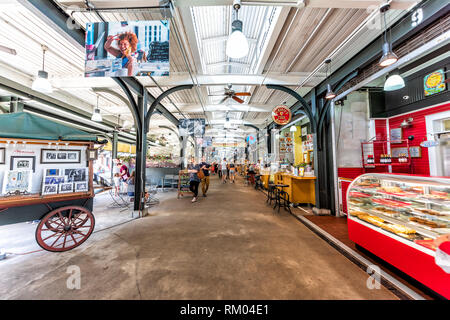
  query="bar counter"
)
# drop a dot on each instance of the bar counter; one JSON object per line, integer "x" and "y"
{"x": 300, "y": 189}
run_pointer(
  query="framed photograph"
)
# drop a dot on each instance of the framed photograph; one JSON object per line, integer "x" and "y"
{"x": 66, "y": 187}
{"x": 81, "y": 186}
{"x": 76, "y": 174}
{"x": 92, "y": 154}
{"x": 2, "y": 155}
{"x": 415, "y": 152}
{"x": 396, "y": 152}
{"x": 17, "y": 181}
{"x": 396, "y": 135}
{"x": 52, "y": 172}
{"x": 304, "y": 131}
{"x": 22, "y": 163}
{"x": 60, "y": 156}
{"x": 54, "y": 180}
{"x": 49, "y": 189}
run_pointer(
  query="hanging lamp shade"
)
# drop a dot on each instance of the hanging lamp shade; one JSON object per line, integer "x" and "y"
{"x": 293, "y": 129}
{"x": 388, "y": 56}
{"x": 41, "y": 83}
{"x": 96, "y": 116}
{"x": 394, "y": 82}
{"x": 330, "y": 94}
{"x": 237, "y": 44}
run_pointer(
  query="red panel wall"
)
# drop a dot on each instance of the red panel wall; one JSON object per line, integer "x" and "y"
{"x": 418, "y": 130}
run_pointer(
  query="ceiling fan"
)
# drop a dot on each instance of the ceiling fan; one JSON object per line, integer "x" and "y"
{"x": 230, "y": 93}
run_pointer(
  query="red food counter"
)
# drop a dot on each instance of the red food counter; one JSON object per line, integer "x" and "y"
{"x": 397, "y": 217}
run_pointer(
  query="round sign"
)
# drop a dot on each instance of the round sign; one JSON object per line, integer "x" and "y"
{"x": 281, "y": 115}
{"x": 434, "y": 79}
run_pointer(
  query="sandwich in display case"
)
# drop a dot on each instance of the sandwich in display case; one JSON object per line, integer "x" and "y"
{"x": 397, "y": 217}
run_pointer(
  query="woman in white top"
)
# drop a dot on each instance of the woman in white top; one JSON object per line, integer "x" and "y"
{"x": 223, "y": 167}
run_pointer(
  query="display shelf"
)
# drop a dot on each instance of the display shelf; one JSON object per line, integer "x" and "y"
{"x": 402, "y": 202}
{"x": 377, "y": 148}
{"x": 397, "y": 221}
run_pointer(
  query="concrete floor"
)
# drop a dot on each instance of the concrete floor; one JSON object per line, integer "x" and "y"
{"x": 229, "y": 245}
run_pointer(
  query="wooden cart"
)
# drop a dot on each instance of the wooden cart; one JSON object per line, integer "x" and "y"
{"x": 65, "y": 219}
{"x": 183, "y": 183}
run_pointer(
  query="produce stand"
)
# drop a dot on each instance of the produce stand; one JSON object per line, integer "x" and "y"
{"x": 47, "y": 174}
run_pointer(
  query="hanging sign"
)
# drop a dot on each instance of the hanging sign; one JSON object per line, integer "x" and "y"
{"x": 127, "y": 48}
{"x": 191, "y": 127}
{"x": 434, "y": 82}
{"x": 251, "y": 139}
{"x": 281, "y": 115}
{"x": 429, "y": 143}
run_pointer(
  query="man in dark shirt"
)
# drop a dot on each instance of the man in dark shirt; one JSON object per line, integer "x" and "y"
{"x": 206, "y": 167}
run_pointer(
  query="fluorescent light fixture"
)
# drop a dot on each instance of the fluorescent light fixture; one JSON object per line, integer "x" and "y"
{"x": 96, "y": 116}
{"x": 394, "y": 82}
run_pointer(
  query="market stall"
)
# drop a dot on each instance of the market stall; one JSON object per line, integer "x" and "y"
{"x": 47, "y": 174}
{"x": 397, "y": 217}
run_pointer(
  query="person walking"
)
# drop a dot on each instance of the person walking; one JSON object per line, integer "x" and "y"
{"x": 116, "y": 178}
{"x": 224, "y": 167}
{"x": 232, "y": 167}
{"x": 206, "y": 167}
{"x": 194, "y": 180}
{"x": 219, "y": 170}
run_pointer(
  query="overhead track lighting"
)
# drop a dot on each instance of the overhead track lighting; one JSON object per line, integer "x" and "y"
{"x": 388, "y": 57}
{"x": 97, "y": 116}
{"x": 237, "y": 44}
{"x": 41, "y": 83}
{"x": 330, "y": 94}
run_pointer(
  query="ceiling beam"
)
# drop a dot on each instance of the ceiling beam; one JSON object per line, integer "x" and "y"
{"x": 176, "y": 79}
{"x": 228, "y": 63}
{"x": 344, "y": 4}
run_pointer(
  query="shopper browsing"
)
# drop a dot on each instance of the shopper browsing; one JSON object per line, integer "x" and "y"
{"x": 232, "y": 171}
{"x": 116, "y": 178}
{"x": 206, "y": 167}
{"x": 194, "y": 180}
{"x": 224, "y": 166}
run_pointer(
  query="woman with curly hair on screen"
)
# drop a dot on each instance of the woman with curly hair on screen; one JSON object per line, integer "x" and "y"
{"x": 127, "y": 43}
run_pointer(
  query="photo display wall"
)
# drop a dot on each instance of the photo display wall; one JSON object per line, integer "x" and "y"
{"x": 39, "y": 169}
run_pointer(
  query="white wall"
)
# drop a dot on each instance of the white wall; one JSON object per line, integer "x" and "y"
{"x": 355, "y": 128}
{"x": 35, "y": 150}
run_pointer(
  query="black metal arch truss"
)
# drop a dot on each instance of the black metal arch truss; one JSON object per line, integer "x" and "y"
{"x": 133, "y": 104}
{"x": 300, "y": 100}
{"x": 161, "y": 97}
{"x": 323, "y": 112}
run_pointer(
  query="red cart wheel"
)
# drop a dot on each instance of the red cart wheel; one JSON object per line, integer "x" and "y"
{"x": 64, "y": 228}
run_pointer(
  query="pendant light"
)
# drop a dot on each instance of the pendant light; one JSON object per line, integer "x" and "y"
{"x": 394, "y": 82}
{"x": 237, "y": 44}
{"x": 41, "y": 83}
{"x": 97, "y": 116}
{"x": 330, "y": 94}
{"x": 293, "y": 129}
{"x": 388, "y": 57}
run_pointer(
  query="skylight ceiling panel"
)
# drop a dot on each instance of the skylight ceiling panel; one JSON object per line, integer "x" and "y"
{"x": 28, "y": 33}
{"x": 37, "y": 29}
{"x": 302, "y": 27}
{"x": 341, "y": 24}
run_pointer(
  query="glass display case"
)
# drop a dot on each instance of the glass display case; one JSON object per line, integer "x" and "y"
{"x": 397, "y": 217}
{"x": 412, "y": 209}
